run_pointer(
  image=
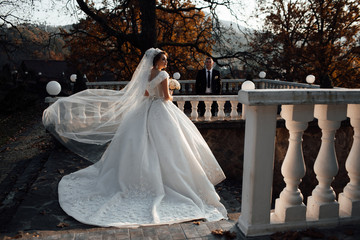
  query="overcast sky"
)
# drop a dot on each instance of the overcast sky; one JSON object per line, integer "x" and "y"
{"x": 49, "y": 14}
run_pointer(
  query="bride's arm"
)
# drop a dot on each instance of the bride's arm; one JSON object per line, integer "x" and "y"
{"x": 165, "y": 88}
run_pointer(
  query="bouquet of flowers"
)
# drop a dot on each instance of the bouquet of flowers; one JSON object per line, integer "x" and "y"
{"x": 173, "y": 83}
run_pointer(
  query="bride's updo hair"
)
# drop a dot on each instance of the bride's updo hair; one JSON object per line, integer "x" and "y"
{"x": 158, "y": 56}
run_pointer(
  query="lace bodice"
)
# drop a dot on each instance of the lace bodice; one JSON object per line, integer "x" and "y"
{"x": 154, "y": 86}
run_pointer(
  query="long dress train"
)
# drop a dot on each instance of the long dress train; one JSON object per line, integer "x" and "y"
{"x": 157, "y": 169}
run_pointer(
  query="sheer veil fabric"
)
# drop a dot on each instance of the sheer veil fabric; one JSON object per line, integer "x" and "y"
{"x": 154, "y": 167}
{"x": 87, "y": 121}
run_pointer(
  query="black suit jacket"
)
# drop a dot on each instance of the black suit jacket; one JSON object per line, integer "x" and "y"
{"x": 200, "y": 85}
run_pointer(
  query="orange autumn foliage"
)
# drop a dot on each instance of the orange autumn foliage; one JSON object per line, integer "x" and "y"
{"x": 184, "y": 35}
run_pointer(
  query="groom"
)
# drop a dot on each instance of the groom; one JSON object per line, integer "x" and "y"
{"x": 208, "y": 79}
{"x": 208, "y": 82}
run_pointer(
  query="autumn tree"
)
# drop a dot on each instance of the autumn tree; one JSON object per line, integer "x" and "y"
{"x": 20, "y": 39}
{"x": 311, "y": 37}
{"x": 115, "y": 39}
{"x": 9, "y": 19}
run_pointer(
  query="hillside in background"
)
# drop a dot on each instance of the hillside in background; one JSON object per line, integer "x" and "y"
{"x": 30, "y": 42}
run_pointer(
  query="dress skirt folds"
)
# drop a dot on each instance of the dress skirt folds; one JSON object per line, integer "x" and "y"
{"x": 157, "y": 169}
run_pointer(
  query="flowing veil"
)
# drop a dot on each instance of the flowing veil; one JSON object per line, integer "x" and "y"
{"x": 87, "y": 121}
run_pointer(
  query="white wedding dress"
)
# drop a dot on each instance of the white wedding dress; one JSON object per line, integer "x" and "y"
{"x": 157, "y": 169}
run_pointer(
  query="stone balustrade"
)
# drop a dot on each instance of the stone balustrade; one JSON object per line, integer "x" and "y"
{"x": 228, "y": 86}
{"x": 298, "y": 107}
{"x": 192, "y": 111}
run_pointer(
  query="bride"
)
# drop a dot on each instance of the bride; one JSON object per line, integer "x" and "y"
{"x": 154, "y": 168}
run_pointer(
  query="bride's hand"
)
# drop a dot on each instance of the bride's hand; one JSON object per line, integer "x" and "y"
{"x": 170, "y": 98}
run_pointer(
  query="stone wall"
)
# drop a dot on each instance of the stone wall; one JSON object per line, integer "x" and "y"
{"x": 226, "y": 140}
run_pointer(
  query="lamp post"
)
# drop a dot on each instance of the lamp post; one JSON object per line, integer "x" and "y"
{"x": 310, "y": 79}
{"x": 176, "y": 76}
{"x": 53, "y": 88}
{"x": 262, "y": 74}
{"x": 73, "y": 78}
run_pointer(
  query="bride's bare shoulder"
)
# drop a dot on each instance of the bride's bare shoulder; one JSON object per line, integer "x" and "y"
{"x": 155, "y": 74}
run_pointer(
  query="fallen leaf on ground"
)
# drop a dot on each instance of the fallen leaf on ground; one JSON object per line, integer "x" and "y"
{"x": 62, "y": 225}
{"x": 226, "y": 234}
{"x": 217, "y": 232}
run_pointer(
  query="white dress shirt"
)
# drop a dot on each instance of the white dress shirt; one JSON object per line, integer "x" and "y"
{"x": 208, "y": 90}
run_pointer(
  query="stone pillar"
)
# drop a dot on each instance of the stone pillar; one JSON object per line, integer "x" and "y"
{"x": 234, "y": 113}
{"x": 194, "y": 107}
{"x": 349, "y": 200}
{"x": 82, "y": 113}
{"x": 322, "y": 204}
{"x": 290, "y": 207}
{"x": 207, "y": 114}
{"x": 97, "y": 113}
{"x": 221, "y": 114}
{"x": 259, "y": 147}
{"x": 181, "y": 105}
{"x": 67, "y": 107}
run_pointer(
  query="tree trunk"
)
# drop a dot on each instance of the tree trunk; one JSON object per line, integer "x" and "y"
{"x": 148, "y": 25}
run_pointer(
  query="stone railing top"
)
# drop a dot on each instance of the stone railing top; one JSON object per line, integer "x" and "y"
{"x": 298, "y": 96}
{"x": 179, "y": 98}
{"x": 205, "y": 98}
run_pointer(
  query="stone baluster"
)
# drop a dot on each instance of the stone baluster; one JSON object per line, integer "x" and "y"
{"x": 236, "y": 87}
{"x": 349, "y": 200}
{"x": 194, "y": 113}
{"x": 234, "y": 113}
{"x": 322, "y": 203}
{"x": 181, "y": 105}
{"x": 262, "y": 85}
{"x": 97, "y": 113}
{"x": 183, "y": 87}
{"x": 82, "y": 113}
{"x": 207, "y": 114}
{"x": 68, "y": 112}
{"x": 110, "y": 110}
{"x": 230, "y": 88}
{"x": 221, "y": 113}
{"x": 290, "y": 207}
{"x": 224, "y": 87}
{"x": 190, "y": 88}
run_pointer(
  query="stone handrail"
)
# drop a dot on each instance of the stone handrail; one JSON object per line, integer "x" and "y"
{"x": 228, "y": 86}
{"x": 298, "y": 107}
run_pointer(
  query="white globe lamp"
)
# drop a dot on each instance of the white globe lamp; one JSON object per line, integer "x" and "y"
{"x": 53, "y": 88}
{"x": 310, "y": 79}
{"x": 262, "y": 74}
{"x": 247, "y": 85}
{"x": 176, "y": 76}
{"x": 73, "y": 78}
